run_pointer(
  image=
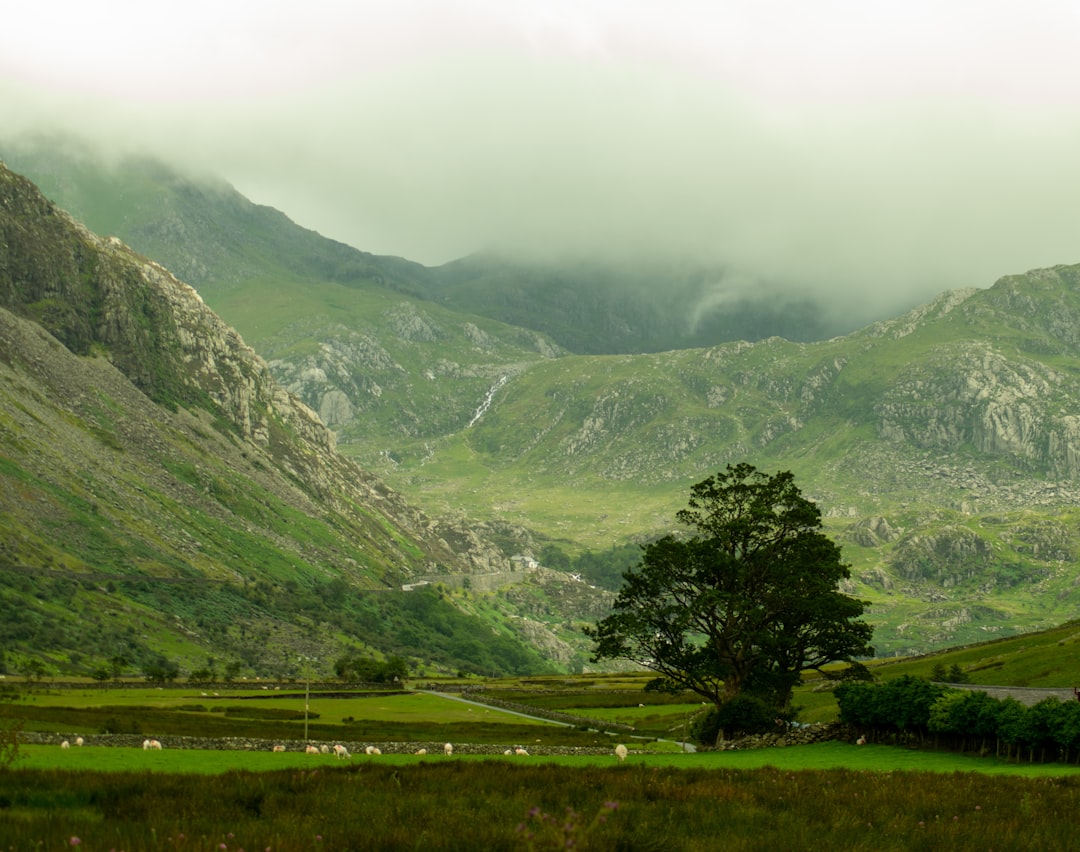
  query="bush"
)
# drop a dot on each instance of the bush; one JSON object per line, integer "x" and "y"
{"x": 741, "y": 716}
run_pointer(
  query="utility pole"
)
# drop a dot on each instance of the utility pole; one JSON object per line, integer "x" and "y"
{"x": 306, "y": 662}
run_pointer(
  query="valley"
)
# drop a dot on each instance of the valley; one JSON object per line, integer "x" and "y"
{"x": 941, "y": 444}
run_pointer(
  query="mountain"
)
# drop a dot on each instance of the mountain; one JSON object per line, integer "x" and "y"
{"x": 940, "y": 444}
{"x": 162, "y": 497}
{"x": 592, "y": 308}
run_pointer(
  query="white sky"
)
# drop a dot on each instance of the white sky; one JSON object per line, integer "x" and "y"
{"x": 871, "y": 148}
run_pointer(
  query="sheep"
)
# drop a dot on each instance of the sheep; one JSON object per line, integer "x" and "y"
{"x": 448, "y": 749}
{"x": 372, "y": 750}
{"x": 520, "y": 751}
{"x": 508, "y": 752}
{"x": 341, "y": 752}
{"x": 312, "y": 749}
{"x": 79, "y": 741}
{"x": 151, "y": 745}
{"x": 324, "y": 748}
{"x": 278, "y": 748}
{"x": 620, "y": 752}
{"x": 860, "y": 741}
{"x": 420, "y": 751}
{"x": 65, "y": 744}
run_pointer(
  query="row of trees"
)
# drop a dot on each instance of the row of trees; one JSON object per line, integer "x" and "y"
{"x": 913, "y": 708}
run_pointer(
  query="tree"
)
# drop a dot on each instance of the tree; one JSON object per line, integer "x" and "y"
{"x": 745, "y": 604}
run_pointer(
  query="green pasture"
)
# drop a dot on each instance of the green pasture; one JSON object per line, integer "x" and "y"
{"x": 818, "y": 756}
{"x": 332, "y": 709}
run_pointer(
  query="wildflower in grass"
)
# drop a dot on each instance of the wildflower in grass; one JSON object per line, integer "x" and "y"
{"x": 567, "y": 833}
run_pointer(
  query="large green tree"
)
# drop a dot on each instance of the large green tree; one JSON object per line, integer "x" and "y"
{"x": 746, "y": 603}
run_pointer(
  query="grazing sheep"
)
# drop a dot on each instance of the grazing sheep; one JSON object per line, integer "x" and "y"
{"x": 448, "y": 749}
{"x": 508, "y": 752}
{"x": 620, "y": 752}
{"x": 65, "y": 744}
{"x": 341, "y": 752}
{"x": 324, "y": 748}
{"x": 420, "y": 751}
{"x": 79, "y": 741}
{"x": 520, "y": 751}
{"x": 312, "y": 749}
{"x": 373, "y": 750}
{"x": 151, "y": 745}
{"x": 279, "y": 748}
{"x": 860, "y": 741}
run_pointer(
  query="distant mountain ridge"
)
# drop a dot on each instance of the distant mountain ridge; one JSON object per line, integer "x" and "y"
{"x": 210, "y": 236}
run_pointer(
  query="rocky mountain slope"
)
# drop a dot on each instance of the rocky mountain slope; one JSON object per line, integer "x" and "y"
{"x": 941, "y": 444}
{"x": 163, "y": 497}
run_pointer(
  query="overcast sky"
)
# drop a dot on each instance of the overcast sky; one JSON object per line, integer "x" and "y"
{"x": 871, "y": 148}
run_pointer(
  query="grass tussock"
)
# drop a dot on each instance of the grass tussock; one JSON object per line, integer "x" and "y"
{"x": 493, "y": 804}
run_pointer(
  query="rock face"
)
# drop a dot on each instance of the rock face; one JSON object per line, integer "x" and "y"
{"x": 971, "y": 395}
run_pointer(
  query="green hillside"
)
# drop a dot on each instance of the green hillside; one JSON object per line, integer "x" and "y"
{"x": 942, "y": 445}
{"x": 163, "y": 502}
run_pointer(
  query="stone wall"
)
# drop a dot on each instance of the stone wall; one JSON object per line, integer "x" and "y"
{"x": 355, "y": 747}
{"x": 790, "y": 736}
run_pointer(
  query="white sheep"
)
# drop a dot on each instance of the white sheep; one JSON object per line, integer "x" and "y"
{"x": 79, "y": 741}
{"x": 448, "y": 749}
{"x": 520, "y": 751}
{"x": 65, "y": 744}
{"x": 508, "y": 752}
{"x": 151, "y": 745}
{"x": 372, "y": 750}
{"x": 620, "y": 752}
{"x": 420, "y": 751}
{"x": 279, "y": 748}
{"x": 312, "y": 749}
{"x": 324, "y": 748}
{"x": 860, "y": 741}
{"x": 341, "y": 752}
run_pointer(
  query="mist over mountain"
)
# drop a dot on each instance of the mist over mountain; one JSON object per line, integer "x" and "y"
{"x": 212, "y": 237}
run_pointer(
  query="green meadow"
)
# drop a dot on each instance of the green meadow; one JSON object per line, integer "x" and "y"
{"x": 831, "y": 795}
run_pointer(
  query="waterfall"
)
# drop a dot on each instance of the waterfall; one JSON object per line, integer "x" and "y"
{"x": 488, "y": 397}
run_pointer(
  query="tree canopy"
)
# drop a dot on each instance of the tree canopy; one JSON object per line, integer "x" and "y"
{"x": 743, "y": 605}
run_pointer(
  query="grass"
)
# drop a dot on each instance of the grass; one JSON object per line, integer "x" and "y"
{"x": 819, "y": 756}
{"x": 826, "y": 795}
{"x": 505, "y": 803}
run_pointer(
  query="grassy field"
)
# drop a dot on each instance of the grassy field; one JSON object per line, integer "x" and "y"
{"x": 877, "y": 798}
{"x": 818, "y": 756}
{"x": 828, "y": 795}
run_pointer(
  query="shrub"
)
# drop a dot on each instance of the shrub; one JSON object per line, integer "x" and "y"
{"x": 742, "y": 715}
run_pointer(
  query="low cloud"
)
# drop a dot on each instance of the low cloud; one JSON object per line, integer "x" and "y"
{"x": 873, "y": 198}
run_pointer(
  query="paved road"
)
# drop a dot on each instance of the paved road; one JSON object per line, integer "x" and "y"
{"x": 1023, "y": 694}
